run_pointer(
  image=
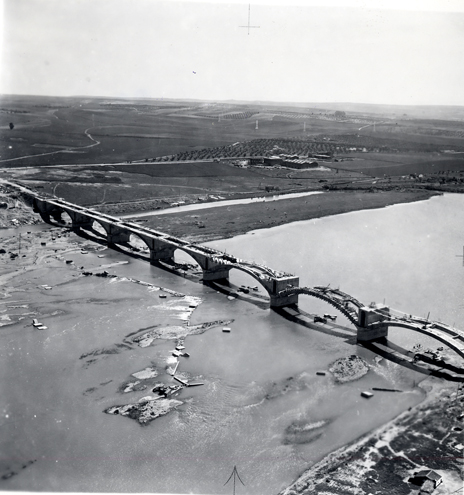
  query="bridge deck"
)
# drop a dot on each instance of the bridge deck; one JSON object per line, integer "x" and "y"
{"x": 219, "y": 257}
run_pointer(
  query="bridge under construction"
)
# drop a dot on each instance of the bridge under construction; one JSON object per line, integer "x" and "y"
{"x": 371, "y": 321}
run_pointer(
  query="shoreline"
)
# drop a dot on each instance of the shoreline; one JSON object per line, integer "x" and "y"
{"x": 224, "y": 222}
{"x": 386, "y": 456}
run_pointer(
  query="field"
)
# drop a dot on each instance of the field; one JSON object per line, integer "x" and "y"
{"x": 124, "y": 155}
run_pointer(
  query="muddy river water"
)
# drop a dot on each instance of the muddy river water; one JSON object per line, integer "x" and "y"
{"x": 262, "y": 407}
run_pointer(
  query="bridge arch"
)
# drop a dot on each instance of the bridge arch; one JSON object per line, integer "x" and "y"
{"x": 62, "y": 217}
{"x": 126, "y": 240}
{"x": 448, "y": 341}
{"x": 347, "y": 307}
{"x": 138, "y": 243}
{"x": 185, "y": 259}
{"x": 261, "y": 283}
{"x": 99, "y": 229}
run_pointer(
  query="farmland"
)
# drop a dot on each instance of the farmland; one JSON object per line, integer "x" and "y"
{"x": 136, "y": 154}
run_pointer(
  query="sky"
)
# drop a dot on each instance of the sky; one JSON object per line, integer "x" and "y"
{"x": 371, "y": 51}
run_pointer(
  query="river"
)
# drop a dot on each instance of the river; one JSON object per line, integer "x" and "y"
{"x": 262, "y": 407}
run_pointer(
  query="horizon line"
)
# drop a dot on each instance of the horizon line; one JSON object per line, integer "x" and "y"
{"x": 279, "y": 102}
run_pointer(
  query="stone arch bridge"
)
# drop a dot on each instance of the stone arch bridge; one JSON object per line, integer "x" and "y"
{"x": 371, "y": 322}
{"x": 215, "y": 264}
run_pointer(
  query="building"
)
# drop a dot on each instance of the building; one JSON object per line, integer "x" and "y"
{"x": 272, "y": 160}
{"x": 427, "y": 479}
{"x": 300, "y": 163}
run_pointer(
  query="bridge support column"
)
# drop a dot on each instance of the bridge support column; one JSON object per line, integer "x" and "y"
{"x": 213, "y": 270}
{"x": 373, "y": 323}
{"x": 161, "y": 251}
{"x": 274, "y": 286}
{"x": 80, "y": 221}
{"x": 218, "y": 273}
{"x": 115, "y": 235}
{"x": 46, "y": 210}
{"x": 372, "y": 332}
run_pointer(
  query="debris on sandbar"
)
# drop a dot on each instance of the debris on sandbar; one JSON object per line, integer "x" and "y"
{"x": 146, "y": 373}
{"x": 146, "y": 410}
{"x": 349, "y": 368}
{"x": 176, "y": 332}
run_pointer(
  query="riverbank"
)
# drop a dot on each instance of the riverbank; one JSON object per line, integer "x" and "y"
{"x": 230, "y": 221}
{"x": 427, "y": 436}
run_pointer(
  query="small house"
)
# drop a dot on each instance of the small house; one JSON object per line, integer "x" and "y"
{"x": 426, "y": 479}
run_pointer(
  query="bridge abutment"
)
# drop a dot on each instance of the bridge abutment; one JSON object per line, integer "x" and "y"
{"x": 46, "y": 210}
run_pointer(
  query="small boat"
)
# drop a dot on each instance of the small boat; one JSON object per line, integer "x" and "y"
{"x": 180, "y": 347}
{"x": 162, "y": 296}
{"x": 185, "y": 354}
{"x": 42, "y": 327}
{"x": 320, "y": 373}
{"x": 366, "y": 394}
{"x": 195, "y": 384}
{"x": 176, "y": 353}
{"x": 226, "y": 330}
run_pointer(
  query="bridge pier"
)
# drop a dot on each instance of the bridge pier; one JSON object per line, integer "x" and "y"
{"x": 372, "y": 323}
{"x": 79, "y": 220}
{"x": 160, "y": 251}
{"x": 212, "y": 270}
{"x": 274, "y": 286}
{"x": 116, "y": 235}
{"x": 218, "y": 273}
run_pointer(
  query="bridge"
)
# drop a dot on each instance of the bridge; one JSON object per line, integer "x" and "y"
{"x": 215, "y": 264}
{"x": 371, "y": 322}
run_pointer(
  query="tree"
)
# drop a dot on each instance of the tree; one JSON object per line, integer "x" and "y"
{"x": 11, "y": 125}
